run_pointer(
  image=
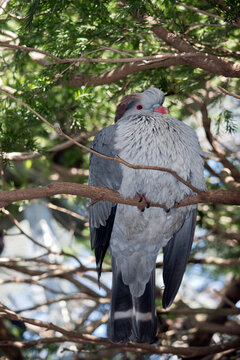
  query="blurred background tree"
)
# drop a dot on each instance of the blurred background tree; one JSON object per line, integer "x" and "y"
{"x": 71, "y": 61}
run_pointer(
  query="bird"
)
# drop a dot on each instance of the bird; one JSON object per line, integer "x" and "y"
{"x": 143, "y": 134}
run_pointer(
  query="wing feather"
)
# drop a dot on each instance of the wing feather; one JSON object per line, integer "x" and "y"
{"x": 106, "y": 173}
{"x": 175, "y": 258}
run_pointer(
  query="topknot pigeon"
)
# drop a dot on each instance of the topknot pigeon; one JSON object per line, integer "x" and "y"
{"x": 143, "y": 134}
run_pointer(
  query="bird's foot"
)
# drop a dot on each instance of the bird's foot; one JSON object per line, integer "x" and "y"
{"x": 143, "y": 202}
{"x": 167, "y": 210}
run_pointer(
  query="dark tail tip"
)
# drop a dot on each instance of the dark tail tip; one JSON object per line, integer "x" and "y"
{"x": 119, "y": 330}
{"x": 145, "y": 331}
{"x": 132, "y": 318}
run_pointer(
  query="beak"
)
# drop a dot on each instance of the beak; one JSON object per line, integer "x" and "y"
{"x": 161, "y": 110}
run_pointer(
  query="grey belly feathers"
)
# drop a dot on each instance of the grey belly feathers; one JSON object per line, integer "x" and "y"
{"x": 134, "y": 238}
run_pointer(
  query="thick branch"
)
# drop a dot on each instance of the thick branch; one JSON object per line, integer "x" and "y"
{"x": 208, "y": 62}
{"x": 120, "y": 72}
{"x": 188, "y": 56}
{"x": 98, "y": 193}
{"x": 90, "y": 339}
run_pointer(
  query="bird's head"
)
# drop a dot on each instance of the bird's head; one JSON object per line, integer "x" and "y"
{"x": 144, "y": 103}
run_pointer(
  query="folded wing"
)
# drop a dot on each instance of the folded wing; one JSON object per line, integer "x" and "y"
{"x": 175, "y": 258}
{"x": 106, "y": 173}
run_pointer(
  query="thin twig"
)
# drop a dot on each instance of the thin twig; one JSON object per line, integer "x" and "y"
{"x": 23, "y": 156}
{"x": 26, "y": 48}
{"x": 84, "y": 59}
{"x": 228, "y": 92}
{"x": 65, "y": 211}
{"x": 191, "y": 8}
{"x": 16, "y": 223}
{"x": 183, "y": 311}
{"x": 149, "y": 167}
{"x": 64, "y": 298}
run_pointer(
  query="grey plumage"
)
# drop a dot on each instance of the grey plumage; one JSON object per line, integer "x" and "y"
{"x": 175, "y": 257}
{"x": 143, "y": 137}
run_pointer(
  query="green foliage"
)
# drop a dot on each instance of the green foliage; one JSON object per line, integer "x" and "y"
{"x": 232, "y": 10}
{"x": 230, "y": 124}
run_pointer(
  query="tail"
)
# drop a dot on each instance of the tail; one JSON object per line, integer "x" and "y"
{"x": 145, "y": 319}
{"x": 132, "y": 318}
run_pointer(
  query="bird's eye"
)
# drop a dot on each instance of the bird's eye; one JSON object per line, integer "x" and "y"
{"x": 139, "y": 107}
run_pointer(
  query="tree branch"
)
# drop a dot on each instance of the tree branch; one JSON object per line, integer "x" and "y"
{"x": 98, "y": 193}
{"x": 41, "y": 270}
{"x": 210, "y": 327}
{"x": 199, "y": 11}
{"x": 228, "y": 92}
{"x": 188, "y": 55}
{"x": 49, "y": 250}
{"x": 23, "y": 156}
{"x": 207, "y": 13}
{"x": 188, "y": 51}
{"x": 74, "y": 337}
{"x": 85, "y": 59}
{"x": 210, "y": 260}
{"x": 183, "y": 311}
{"x": 26, "y": 48}
{"x": 208, "y": 62}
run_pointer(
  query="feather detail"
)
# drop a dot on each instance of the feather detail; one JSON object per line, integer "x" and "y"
{"x": 100, "y": 238}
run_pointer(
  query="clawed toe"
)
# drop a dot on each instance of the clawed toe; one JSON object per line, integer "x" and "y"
{"x": 143, "y": 203}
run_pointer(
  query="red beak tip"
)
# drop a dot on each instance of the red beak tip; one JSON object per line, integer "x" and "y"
{"x": 161, "y": 110}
